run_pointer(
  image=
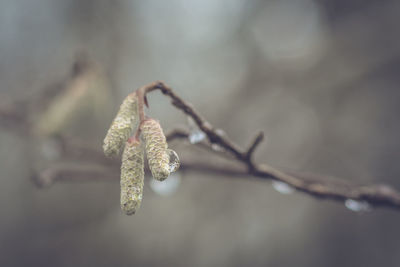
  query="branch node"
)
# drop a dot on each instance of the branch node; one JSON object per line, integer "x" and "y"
{"x": 253, "y": 146}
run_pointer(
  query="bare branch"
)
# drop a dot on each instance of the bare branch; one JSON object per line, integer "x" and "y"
{"x": 73, "y": 172}
{"x": 377, "y": 195}
{"x": 317, "y": 186}
{"x": 176, "y": 134}
{"x": 61, "y": 172}
{"x": 254, "y": 144}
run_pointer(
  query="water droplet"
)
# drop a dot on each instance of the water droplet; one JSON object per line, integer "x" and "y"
{"x": 217, "y": 147}
{"x": 196, "y": 136}
{"x": 357, "y": 205}
{"x": 167, "y": 187}
{"x": 282, "y": 187}
{"x": 220, "y": 132}
{"x": 174, "y": 162}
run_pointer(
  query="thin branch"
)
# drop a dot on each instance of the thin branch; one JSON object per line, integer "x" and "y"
{"x": 318, "y": 186}
{"x": 254, "y": 144}
{"x": 61, "y": 172}
{"x": 176, "y": 134}
{"x": 377, "y": 195}
{"x": 73, "y": 173}
{"x": 339, "y": 190}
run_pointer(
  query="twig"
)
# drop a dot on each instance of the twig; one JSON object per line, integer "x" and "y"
{"x": 73, "y": 172}
{"x": 61, "y": 172}
{"x": 377, "y": 195}
{"x": 254, "y": 144}
{"x": 176, "y": 134}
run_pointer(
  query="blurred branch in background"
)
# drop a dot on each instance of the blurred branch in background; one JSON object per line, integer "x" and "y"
{"x": 80, "y": 90}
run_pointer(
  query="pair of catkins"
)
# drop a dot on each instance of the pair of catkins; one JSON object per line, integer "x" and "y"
{"x": 161, "y": 160}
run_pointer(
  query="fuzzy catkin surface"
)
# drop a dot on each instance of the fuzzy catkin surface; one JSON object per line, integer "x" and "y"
{"x": 122, "y": 126}
{"x": 156, "y": 149}
{"x": 132, "y": 176}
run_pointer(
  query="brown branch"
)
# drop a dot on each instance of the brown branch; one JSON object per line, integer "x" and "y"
{"x": 377, "y": 195}
{"x": 318, "y": 186}
{"x": 176, "y": 134}
{"x": 254, "y": 144}
{"x": 61, "y": 172}
{"x": 73, "y": 173}
{"x": 335, "y": 189}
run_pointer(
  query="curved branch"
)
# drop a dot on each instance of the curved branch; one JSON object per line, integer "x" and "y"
{"x": 377, "y": 195}
{"x": 317, "y": 186}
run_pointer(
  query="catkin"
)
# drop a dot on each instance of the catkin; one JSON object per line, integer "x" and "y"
{"x": 132, "y": 175}
{"x": 122, "y": 126}
{"x": 156, "y": 149}
{"x": 66, "y": 106}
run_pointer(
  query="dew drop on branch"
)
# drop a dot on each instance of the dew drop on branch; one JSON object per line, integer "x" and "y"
{"x": 357, "y": 205}
{"x": 167, "y": 187}
{"x": 196, "y": 136}
{"x": 220, "y": 132}
{"x": 217, "y": 148}
{"x": 282, "y": 187}
{"x": 174, "y": 162}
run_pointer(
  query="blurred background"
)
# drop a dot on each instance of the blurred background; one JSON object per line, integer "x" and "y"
{"x": 320, "y": 78}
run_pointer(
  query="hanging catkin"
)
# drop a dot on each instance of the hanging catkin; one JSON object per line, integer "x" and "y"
{"x": 132, "y": 175}
{"x": 122, "y": 126}
{"x": 156, "y": 149}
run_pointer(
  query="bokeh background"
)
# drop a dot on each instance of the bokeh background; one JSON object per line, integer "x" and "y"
{"x": 320, "y": 78}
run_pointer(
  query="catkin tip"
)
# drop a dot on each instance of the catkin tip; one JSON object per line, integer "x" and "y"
{"x": 130, "y": 207}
